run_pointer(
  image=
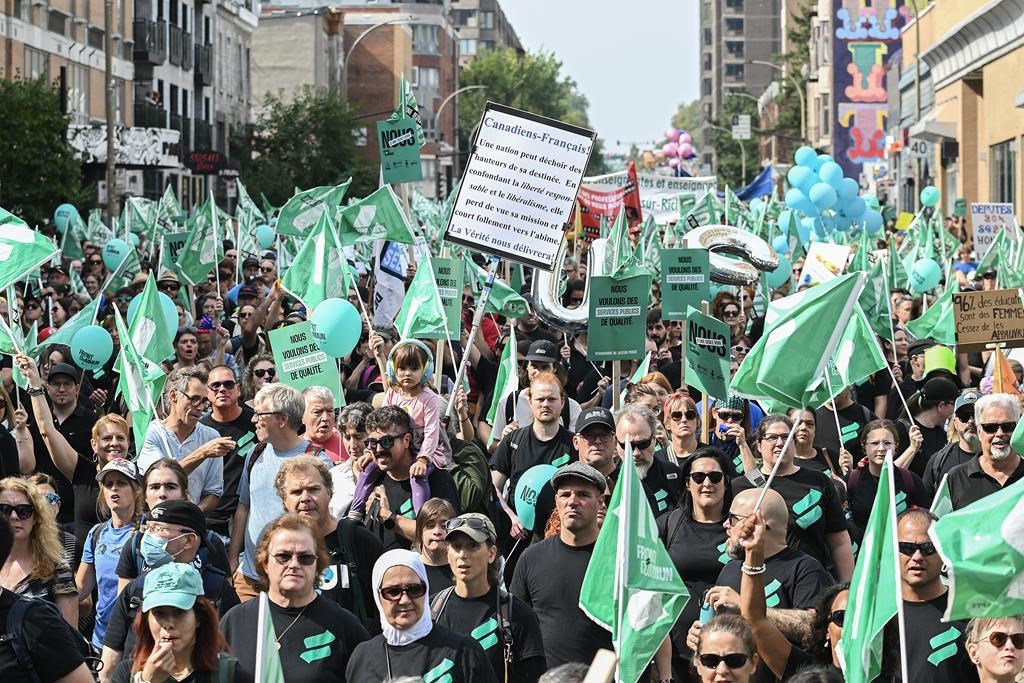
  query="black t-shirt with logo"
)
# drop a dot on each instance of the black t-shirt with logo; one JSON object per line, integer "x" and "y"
{"x": 935, "y": 439}
{"x": 851, "y": 419}
{"x": 936, "y": 651}
{"x": 521, "y": 450}
{"x": 55, "y": 649}
{"x": 663, "y": 486}
{"x": 242, "y": 430}
{"x": 814, "y": 510}
{"x": 792, "y": 579}
{"x": 910, "y": 490}
{"x": 441, "y": 655}
{"x": 399, "y": 495}
{"x": 440, "y": 577}
{"x": 478, "y": 618}
{"x": 336, "y": 581}
{"x": 316, "y": 640}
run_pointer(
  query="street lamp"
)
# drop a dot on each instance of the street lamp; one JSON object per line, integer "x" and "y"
{"x": 437, "y": 133}
{"x": 348, "y": 53}
{"x": 799, "y": 92}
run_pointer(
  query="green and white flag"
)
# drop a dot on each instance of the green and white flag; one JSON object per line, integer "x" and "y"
{"x": 320, "y": 270}
{"x": 245, "y": 203}
{"x": 507, "y": 384}
{"x": 66, "y": 332}
{"x": 140, "y": 383}
{"x": 27, "y": 342}
{"x": 707, "y": 211}
{"x": 409, "y": 107}
{"x": 875, "y": 596}
{"x": 22, "y": 249}
{"x": 937, "y": 322}
{"x": 300, "y": 214}
{"x": 376, "y": 217}
{"x": 631, "y": 587}
{"x": 942, "y": 504}
{"x": 204, "y": 248}
{"x": 125, "y": 272}
{"x": 148, "y": 330}
{"x": 96, "y": 231}
{"x": 422, "y": 314}
{"x": 268, "y": 659}
{"x": 982, "y": 545}
{"x": 73, "y": 238}
{"x": 641, "y": 370}
{"x": 504, "y": 300}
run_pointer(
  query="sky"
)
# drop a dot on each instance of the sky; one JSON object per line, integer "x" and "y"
{"x": 635, "y": 61}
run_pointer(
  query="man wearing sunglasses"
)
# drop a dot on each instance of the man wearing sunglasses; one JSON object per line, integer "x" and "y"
{"x": 661, "y": 481}
{"x": 998, "y": 466}
{"x": 964, "y": 449}
{"x": 935, "y": 648}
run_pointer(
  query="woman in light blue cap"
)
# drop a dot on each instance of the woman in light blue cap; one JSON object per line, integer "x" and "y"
{"x": 178, "y": 633}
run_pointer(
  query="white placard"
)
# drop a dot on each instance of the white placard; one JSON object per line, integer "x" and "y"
{"x": 520, "y": 186}
{"x": 823, "y": 262}
{"x": 659, "y": 194}
{"x": 987, "y": 220}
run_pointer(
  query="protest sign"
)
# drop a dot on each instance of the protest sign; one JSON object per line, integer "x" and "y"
{"x": 399, "y": 151}
{"x": 989, "y": 219}
{"x": 904, "y": 220}
{"x": 449, "y": 275}
{"x": 597, "y": 204}
{"x": 520, "y": 186}
{"x": 659, "y": 194}
{"x": 960, "y": 207}
{"x": 300, "y": 362}
{"x": 982, "y": 318}
{"x": 617, "y": 328}
{"x": 824, "y": 262}
{"x": 174, "y": 242}
{"x": 685, "y": 281}
{"x": 707, "y": 353}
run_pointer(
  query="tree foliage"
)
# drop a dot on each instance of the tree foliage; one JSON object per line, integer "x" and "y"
{"x": 688, "y": 118}
{"x": 730, "y": 158}
{"x": 533, "y": 82}
{"x": 798, "y": 35}
{"x": 303, "y": 143}
{"x": 38, "y": 168}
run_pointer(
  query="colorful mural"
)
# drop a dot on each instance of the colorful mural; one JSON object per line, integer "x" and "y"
{"x": 867, "y": 36}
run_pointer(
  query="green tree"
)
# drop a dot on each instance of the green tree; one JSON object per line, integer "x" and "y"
{"x": 798, "y": 34}
{"x": 38, "y": 168}
{"x": 303, "y": 143}
{"x": 730, "y": 159}
{"x": 533, "y": 82}
{"x": 688, "y": 118}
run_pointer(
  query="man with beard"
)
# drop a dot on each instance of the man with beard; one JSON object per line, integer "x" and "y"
{"x": 998, "y": 466}
{"x": 528, "y": 329}
{"x": 662, "y": 483}
{"x": 962, "y": 450}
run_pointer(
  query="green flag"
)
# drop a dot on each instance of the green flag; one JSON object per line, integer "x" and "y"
{"x": 408, "y": 107}
{"x": 707, "y": 211}
{"x": 204, "y": 247}
{"x": 268, "y": 659}
{"x": 245, "y": 203}
{"x": 620, "y": 261}
{"x": 504, "y": 300}
{"x": 22, "y": 249}
{"x": 319, "y": 271}
{"x": 148, "y": 330}
{"x": 422, "y": 312}
{"x": 897, "y": 273}
{"x": 27, "y": 342}
{"x": 736, "y": 212}
{"x": 96, "y": 231}
{"x": 874, "y": 301}
{"x": 66, "y": 332}
{"x": 74, "y": 237}
{"x": 300, "y": 214}
{"x": 376, "y": 217}
{"x": 140, "y": 383}
{"x": 942, "y": 504}
{"x": 631, "y": 587}
{"x": 875, "y": 588}
{"x": 983, "y": 547}
{"x": 993, "y": 258}
{"x": 507, "y": 383}
{"x": 937, "y": 322}
{"x": 638, "y": 374}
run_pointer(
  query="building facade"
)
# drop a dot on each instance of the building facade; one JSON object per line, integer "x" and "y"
{"x": 482, "y": 25}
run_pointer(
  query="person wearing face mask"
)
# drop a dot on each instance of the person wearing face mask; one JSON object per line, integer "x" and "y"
{"x": 410, "y": 643}
{"x": 998, "y": 466}
{"x": 174, "y": 533}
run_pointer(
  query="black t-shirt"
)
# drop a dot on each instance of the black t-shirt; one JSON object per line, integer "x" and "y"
{"x": 521, "y": 450}
{"x": 862, "y": 487}
{"x": 55, "y": 649}
{"x": 935, "y": 439}
{"x": 87, "y": 494}
{"x": 9, "y": 465}
{"x": 792, "y": 579}
{"x": 549, "y": 577}
{"x": 315, "y": 648}
{"x": 663, "y": 486}
{"x": 242, "y": 430}
{"x": 336, "y": 581}
{"x": 878, "y": 384}
{"x": 399, "y": 495}
{"x": 814, "y": 510}
{"x": 969, "y": 483}
{"x": 440, "y": 577}
{"x": 478, "y": 618}
{"x": 544, "y": 509}
{"x": 817, "y": 463}
{"x": 851, "y": 419}
{"x": 441, "y": 655}
{"x": 942, "y": 462}
{"x": 77, "y": 429}
{"x": 936, "y": 650}
{"x": 123, "y": 674}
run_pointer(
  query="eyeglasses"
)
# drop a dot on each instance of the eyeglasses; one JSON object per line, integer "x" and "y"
{"x": 701, "y": 477}
{"x": 993, "y": 427}
{"x": 394, "y": 593}
{"x": 729, "y": 416}
{"x": 305, "y": 559}
{"x": 965, "y": 415}
{"x": 468, "y": 301}
{"x": 471, "y": 522}
{"x": 735, "y": 519}
{"x": 678, "y": 415}
{"x": 998, "y": 639}
{"x": 22, "y": 511}
{"x": 264, "y": 269}
{"x": 597, "y": 435}
{"x": 52, "y": 498}
{"x": 269, "y": 412}
{"x": 740, "y": 350}
{"x": 385, "y": 442}
{"x": 197, "y": 401}
{"x": 637, "y": 445}
{"x": 927, "y": 548}
{"x": 95, "y": 261}
{"x": 838, "y": 617}
{"x": 269, "y": 372}
{"x": 34, "y": 306}
{"x": 734, "y": 660}
{"x": 227, "y": 385}
{"x": 170, "y": 286}
{"x": 775, "y": 438}
{"x": 884, "y": 444}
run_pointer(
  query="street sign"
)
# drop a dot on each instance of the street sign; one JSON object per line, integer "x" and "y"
{"x": 741, "y": 127}
{"x": 919, "y": 149}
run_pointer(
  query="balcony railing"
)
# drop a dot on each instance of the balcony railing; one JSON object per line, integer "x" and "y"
{"x": 149, "y": 116}
{"x": 204, "y": 65}
{"x": 176, "y": 42}
{"x": 187, "y": 56}
{"x": 150, "y": 38}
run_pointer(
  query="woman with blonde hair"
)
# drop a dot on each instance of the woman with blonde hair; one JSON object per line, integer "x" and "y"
{"x": 431, "y": 543}
{"x": 683, "y": 423}
{"x": 36, "y": 567}
{"x": 996, "y": 646}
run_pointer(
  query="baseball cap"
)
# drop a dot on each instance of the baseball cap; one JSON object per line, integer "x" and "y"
{"x": 731, "y": 402}
{"x": 967, "y": 398}
{"x": 251, "y": 262}
{"x": 918, "y": 347}
{"x": 940, "y": 389}
{"x": 579, "y": 470}
{"x": 172, "y": 585}
{"x": 125, "y": 467}
{"x": 247, "y": 291}
{"x": 595, "y": 416}
{"x": 62, "y": 369}
{"x": 182, "y": 513}
{"x": 475, "y": 525}
{"x": 57, "y": 269}
{"x": 542, "y": 351}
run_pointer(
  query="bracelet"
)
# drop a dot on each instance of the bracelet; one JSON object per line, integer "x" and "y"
{"x": 752, "y": 571}
{"x": 35, "y": 391}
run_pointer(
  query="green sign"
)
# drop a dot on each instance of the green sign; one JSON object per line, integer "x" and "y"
{"x": 399, "y": 151}
{"x": 707, "y": 354}
{"x": 684, "y": 281}
{"x": 960, "y": 207}
{"x": 174, "y": 242}
{"x": 449, "y": 275}
{"x": 300, "y": 362}
{"x": 617, "y": 326}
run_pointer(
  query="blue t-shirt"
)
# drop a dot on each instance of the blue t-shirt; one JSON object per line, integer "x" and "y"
{"x": 104, "y": 557}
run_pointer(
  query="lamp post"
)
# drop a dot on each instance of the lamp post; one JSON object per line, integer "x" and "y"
{"x": 348, "y": 53}
{"x": 799, "y": 92}
{"x": 437, "y": 133}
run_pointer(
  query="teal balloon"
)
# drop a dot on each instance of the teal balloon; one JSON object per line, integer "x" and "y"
{"x": 781, "y": 245}
{"x": 930, "y": 196}
{"x": 795, "y": 199}
{"x": 167, "y": 307}
{"x": 91, "y": 347}
{"x": 63, "y": 216}
{"x": 847, "y": 190}
{"x": 799, "y": 176}
{"x": 806, "y": 156}
{"x": 115, "y": 252}
{"x": 873, "y": 221}
{"x": 823, "y": 196}
{"x": 804, "y": 228}
{"x": 831, "y": 173}
{"x": 872, "y": 202}
{"x": 336, "y": 327}
{"x": 780, "y": 275}
{"x": 855, "y": 208}
{"x": 757, "y": 206}
{"x": 924, "y": 275}
{"x": 265, "y": 236}
{"x": 134, "y": 239}
{"x": 527, "y": 489}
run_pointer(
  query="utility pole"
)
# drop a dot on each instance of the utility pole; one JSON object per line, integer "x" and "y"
{"x": 113, "y": 207}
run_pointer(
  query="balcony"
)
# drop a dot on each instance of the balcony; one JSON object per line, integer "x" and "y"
{"x": 149, "y": 116}
{"x": 204, "y": 65}
{"x": 177, "y": 45}
{"x": 150, "y": 38}
{"x": 187, "y": 57}
{"x": 204, "y": 136}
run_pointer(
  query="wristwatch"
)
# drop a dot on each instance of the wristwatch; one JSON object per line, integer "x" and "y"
{"x": 36, "y": 391}
{"x": 389, "y": 523}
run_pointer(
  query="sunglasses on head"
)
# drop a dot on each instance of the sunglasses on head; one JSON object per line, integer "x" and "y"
{"x": 385, "y": 442}
{"x": 471, "y": 522}
{"x": 701, "y": 477}
{"x": 838, "y": 617}
{"x": 394, "y": 593}
{"x": 927, "y": 548}
{"x": 305, "y": 559}
{"x": 260, "y": 372}
{"x": 228, "y": 385}
{"x": 734, "y": 660}
{"x": 22, "y": 511}
{"x": 52, "y": 498}
{"x": 637, "y": 445}
{"x": 993, "y": 427}
{"x": 998, "y": 639}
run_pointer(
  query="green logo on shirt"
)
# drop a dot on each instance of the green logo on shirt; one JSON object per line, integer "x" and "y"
{"x": 318, "y": 647}
{"x": 724, "y": 557}
{"x": 660, "y": 497}
{"x": 808, "y": 510}
{"x": 849, "y": 432}
{"x": 439, "y": 674}
{"x": 245, "y": 444}
{"x": 486, "y": 633}
{"x": 943, "y": 646}
{"x": 406, "y": 510}
{"x": 737, "y": 462}
{"x": 558, "y": 462}
{"x": 771, "y": 593}
{"x": 901, "y": 502}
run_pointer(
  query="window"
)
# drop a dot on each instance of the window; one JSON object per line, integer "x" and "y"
{"x": 57, "y": 22}
{"x": 487, "y": 19}
{"x": 37, "y": 64}
{"x": 707, "y": 36}
{"x": 733, "y": 27}
{"x": 425, "y": 39}
{"x": 78, "y": 93}
{"x": 467, "y": 46}
{"x": 734, "y": 5}
{"x": 95, "y": 38}
{"x": 826, "y": 114}
{"x": 734, "y": 71}
{"x": 734, "y": 49}
{"x": 705, "y": 87}
{"x": 414, "y": 81}
{"x": 429, "y": 76}
{"x": 486, "y": 44}
{"x": 706, "y": 63}
{"x": 826, "y": 42}
{"x": 121, "y": 100}
{"x": 1003, "y": 173}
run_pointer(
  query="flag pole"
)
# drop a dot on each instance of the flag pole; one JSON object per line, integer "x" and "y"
{"x": 621, "y": 553}
{"x": 478, "y": 316}
{"x": 778, "y": 461}
{"x": 896, "y": 561}
{"x": 835, "y": 411}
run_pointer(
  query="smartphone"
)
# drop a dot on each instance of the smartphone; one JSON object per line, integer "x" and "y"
{"x": 374, "y": 511}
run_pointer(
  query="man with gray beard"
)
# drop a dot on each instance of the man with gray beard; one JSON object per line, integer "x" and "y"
{"x": 662, "y": 482}
{"x": 998, "y": 466}
{"x": 961, "y": 449}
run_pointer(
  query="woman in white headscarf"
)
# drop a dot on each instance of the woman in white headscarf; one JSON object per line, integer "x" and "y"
{"x": 410, "y": 643}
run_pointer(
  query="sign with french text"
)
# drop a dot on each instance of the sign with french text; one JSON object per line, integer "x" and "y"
{"x": 987, "y": 220}
{"x": 300, "y": 362}
{"x": 983, "y": 318}
{"x": 617, "y": 325}
{"x": 685, "y": 281}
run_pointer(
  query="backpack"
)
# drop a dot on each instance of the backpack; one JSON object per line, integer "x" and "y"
{"x": 440, "y": 601}
{"x": 14, "y": 633}
{"x": 346, "y": 539}
{"x": 257, "y": 453}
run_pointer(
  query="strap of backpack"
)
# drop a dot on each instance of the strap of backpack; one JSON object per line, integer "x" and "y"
{"x": 346, "y": 539}
{"x": 254, "y": 458}
{"x": 440, "y": 601}
{"x": 14, "y": 634}
{"x": 831, "y": 466}
{"x": 505, "y": 624}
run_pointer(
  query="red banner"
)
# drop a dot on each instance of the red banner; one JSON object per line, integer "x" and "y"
{"x": 595, "y": 204}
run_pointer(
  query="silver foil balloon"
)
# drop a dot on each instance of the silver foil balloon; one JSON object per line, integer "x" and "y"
{"x": 547, "y": 303}
{"x": 754, "y": 254}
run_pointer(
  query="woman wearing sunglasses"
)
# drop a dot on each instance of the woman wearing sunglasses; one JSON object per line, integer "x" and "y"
{"x": 725, "y": 651}
{"x": 996, "y": 646}
{"x": 693, "y": 533}
{"x": 260, "y": 370}
{"x": 315, "y": 635}
{"x": 683, "y": 422}
{"x": 411, "y": 644}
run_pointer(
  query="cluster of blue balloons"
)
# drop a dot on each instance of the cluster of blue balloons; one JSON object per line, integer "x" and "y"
{"x": 826, "y": 198}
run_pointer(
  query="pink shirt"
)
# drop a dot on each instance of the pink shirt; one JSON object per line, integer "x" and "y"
{"x": 428, "y": 436}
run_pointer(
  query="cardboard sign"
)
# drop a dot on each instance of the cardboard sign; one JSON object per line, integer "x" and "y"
{"x": 960, "y": 207}
{"x": 449, "y": 275}
{"x": 399, "y": 151}
{"x": 617, "y": 327}
{"x": 300, "y": 362}
{"x": 823, "y": 263}
{"x": 904, "y": 220}
{"x": 982, "y": 318}
{"x": 708, "y": 347}
{"x": 685, "y": 281}
{"x": 520, "y": 186}
{"x": 987, "y": 220}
